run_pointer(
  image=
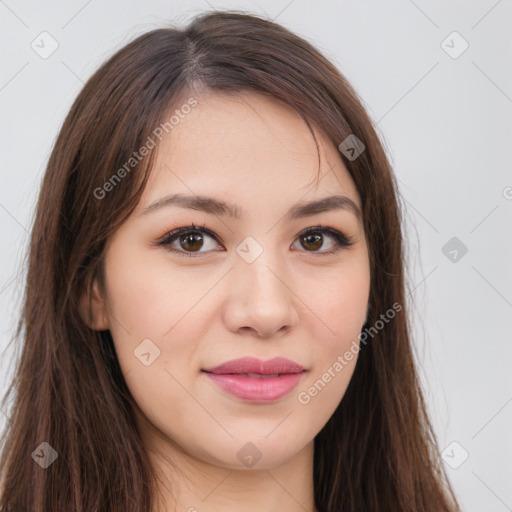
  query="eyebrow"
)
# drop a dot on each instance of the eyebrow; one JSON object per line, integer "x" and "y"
{"x": 222, "y": 208}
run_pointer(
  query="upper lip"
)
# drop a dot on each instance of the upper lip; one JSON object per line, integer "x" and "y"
{"x": 254, "y": 365}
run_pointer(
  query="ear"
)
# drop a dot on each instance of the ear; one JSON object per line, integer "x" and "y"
{"x": 93, "y": 310}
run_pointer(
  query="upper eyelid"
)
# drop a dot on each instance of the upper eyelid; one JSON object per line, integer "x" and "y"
{"x": 186, "y": 229}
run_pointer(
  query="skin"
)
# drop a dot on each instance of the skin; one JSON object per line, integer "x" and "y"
{"x": 292, "y": 301}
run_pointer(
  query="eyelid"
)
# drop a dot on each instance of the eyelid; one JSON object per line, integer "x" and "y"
{"x": 339, "y": 236}
{"x": 165, "y": 240}
{"x": 341, "y": 240}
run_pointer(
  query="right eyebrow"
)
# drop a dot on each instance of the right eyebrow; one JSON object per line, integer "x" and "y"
{"x": 222, "y": 208}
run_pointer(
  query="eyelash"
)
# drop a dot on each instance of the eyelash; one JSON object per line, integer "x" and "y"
{"x": 340, "y": 239}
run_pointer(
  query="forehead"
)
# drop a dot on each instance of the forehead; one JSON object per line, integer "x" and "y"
{"x": 245, "y": 146}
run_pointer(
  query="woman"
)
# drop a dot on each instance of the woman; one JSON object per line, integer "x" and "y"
{"x": 215, "y": 311}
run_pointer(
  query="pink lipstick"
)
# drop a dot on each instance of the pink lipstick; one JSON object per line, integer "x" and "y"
{"x": 254, "y": 380}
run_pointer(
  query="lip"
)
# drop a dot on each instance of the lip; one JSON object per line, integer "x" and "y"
{"x": 232, "y": 377}
{"x": 254, "y": 365}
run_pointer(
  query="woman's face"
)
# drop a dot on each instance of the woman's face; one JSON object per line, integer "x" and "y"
{"x": 251, "y": 285}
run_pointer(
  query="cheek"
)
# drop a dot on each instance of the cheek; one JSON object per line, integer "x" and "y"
{"x": 338, "y": 298}
{"x": 145, "y": 296}
{"x": 153, "y": 336}
{"x": 341, "y": 311}
{"x": 339, "y": 302}
{"x": 148, "y": 301}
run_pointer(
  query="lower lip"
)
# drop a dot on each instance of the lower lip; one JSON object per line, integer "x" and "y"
{"x": 253, "y": 389}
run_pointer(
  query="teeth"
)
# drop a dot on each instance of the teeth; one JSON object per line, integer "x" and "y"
{"x": 259, "y": 376}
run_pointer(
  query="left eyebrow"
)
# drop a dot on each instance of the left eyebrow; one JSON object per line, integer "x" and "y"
{"x": 222, "y": 208}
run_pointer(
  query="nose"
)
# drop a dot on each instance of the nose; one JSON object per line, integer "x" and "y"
{"x": 261, "y": 298}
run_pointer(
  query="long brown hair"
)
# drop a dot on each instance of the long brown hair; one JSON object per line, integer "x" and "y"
{"x": 376, "y": 453}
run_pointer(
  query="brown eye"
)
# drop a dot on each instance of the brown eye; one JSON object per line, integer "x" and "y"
{"x": 314, "y": 238}
{"x": 312, "y": 242}
{"x": 191, "y": 242}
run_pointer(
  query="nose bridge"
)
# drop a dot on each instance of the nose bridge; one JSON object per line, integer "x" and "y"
{"x": 261, "y": 276}
{"x": 262, "y": 279}
{"x": 261, "y": 297}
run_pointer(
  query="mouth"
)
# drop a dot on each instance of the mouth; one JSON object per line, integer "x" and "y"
{"x": 256, "y": 381}
{"x": 254, "y": 367}
{"x": 253, "y": 375}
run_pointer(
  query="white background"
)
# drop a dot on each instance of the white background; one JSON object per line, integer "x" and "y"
{"x": 446, "y": 124}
